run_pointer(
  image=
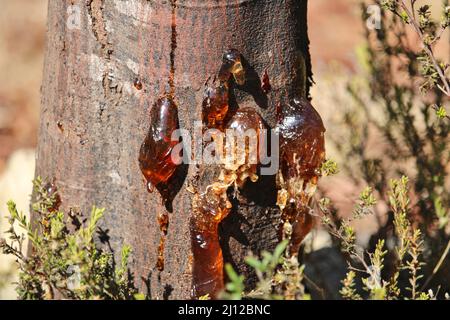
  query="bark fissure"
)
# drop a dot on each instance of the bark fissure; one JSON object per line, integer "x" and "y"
{"x": 112, "y": 90}
{"x": 95, "y": 9}
{"x": 173, "y": 47}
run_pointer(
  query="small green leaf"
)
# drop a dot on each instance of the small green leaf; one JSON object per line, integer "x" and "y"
{"x": 441, "y": 113}
{"x": 139, "y": 296}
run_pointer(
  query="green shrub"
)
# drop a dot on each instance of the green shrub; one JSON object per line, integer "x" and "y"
{"x": 63, "y": 260}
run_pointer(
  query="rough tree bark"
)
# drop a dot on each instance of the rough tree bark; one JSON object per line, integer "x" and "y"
{"x": 93, "y": 118}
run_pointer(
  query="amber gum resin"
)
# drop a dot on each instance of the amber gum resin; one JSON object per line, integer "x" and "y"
{"x": 137, "y": 84}
{"x": 212, "y": 206}
{"x": 155, "y": 156}
{"x": 302, "y": 152}
{"x": 239, "y": 165}
{"x": 215, "y": 104}
{"x": 163, "y": 222}
{"x": 155, "y": 159}
{"x": 244, "y": 159}
{"x": 232, "y": 65}
{"x": 209, "y": 209}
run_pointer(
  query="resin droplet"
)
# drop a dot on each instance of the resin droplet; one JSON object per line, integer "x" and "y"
{"x": 207, "y": 267}
{"x": 137, "y": 84}
{"x": 232, "y": 65}
{"x": 155, "y": 156}
{"x": 302, "y": 152}
{"x": 265, "y": 83}
{"x": 215, "y": 104}
{"x": 160, "y": 258}
{"x": 163, "y": 221}
{"x": 60, "y": 126}
{"x": 209, "y": 209}
{"x": 245, "y": 137}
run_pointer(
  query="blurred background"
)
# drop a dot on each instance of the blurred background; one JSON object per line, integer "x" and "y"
{"x": 336, "y": 32}
{"x": 22, "y": 39}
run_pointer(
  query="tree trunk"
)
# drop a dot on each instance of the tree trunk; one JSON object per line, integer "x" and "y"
{"x": 95, "y": 115}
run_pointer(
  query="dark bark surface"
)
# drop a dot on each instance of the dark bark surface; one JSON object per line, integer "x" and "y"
{"x": 93, "y": 119}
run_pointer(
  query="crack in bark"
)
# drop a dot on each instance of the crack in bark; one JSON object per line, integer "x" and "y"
{"x": 111, "y": 90}
{"x": 95, "y": 9}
